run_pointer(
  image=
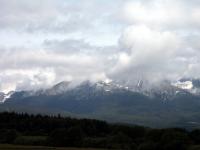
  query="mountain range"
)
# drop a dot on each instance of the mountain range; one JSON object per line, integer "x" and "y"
{"x": 164, "y": 105}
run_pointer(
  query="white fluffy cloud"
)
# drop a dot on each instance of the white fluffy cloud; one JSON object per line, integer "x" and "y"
{"x": 30, "y": 69}
{"x": 160, "y": 41}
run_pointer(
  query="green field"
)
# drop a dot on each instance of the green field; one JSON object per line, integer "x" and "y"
{"x": 15, "y": 147}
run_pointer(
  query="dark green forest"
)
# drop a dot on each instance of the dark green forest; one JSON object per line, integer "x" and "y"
{"x": 58, "y": 131}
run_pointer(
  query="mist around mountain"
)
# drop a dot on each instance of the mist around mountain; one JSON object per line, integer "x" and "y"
{"x": 165, "y": 105}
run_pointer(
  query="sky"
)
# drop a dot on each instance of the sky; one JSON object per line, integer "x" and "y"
{"x": 49, "y": 41}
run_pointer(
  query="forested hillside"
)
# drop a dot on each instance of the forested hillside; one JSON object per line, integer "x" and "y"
{"x": 57, "y": 131}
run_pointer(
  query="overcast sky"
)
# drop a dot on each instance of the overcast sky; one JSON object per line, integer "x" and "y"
{"x": 43, "y": 42}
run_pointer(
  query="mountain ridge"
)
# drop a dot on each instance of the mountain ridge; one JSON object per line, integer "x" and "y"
{"x": 112, "y": 102}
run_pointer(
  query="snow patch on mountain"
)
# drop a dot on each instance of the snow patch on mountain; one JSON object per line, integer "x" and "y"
{"x": 186, "y": 85}
{"x": 4, "y": 97}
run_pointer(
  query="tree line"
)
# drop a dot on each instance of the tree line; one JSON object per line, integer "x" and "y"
{"x": 57, "y": 131}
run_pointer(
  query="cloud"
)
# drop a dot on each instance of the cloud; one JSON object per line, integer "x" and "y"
{"x": 163, "y": 14}
{"x": 45, "y": 42}
{"x": 53, "y": 16}
{"x": 69, "y": 60}
{"x": 160, "y": 42}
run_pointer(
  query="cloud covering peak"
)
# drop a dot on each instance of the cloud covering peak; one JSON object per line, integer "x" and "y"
{"x": 160, "y": 40}
{"x": 42, "y": 43}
